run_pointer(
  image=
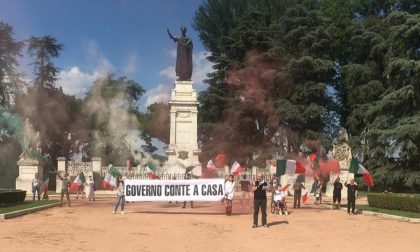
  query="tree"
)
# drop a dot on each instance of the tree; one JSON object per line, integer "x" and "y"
{"x": 44, "y": 49}
{"x": 10, "y": 49}
{"x": 55, "y": 115}
{"x": 112, "y": 125}
{"x": 258, "y": 87}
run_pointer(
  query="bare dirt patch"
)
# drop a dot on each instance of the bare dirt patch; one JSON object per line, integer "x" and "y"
{"x": 163, "y": 226}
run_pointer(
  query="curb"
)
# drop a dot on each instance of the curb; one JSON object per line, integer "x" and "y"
{"x": 389, "y": 216}
{"x": 26, "y": 211}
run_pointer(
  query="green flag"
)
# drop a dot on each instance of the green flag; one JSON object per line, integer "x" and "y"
{"x": 354, "y": 165}
{"x": 281, "y": 167}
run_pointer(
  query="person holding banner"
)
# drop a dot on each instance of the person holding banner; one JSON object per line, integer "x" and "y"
{"x": 229, "y": 192}
{"x": 260, "y": 200}
{"x": 188, "y": 176}
{"x": 120, "y": 196}
{"x": 245, "y": 188}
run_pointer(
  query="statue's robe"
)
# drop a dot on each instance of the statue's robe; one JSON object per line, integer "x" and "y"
{"x": 183, "y": 67}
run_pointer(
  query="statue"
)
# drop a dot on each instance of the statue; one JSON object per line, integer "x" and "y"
{"x": 183, "y": 67}
{"x": 341, "y": 149}
{"x": 30, "y": 139}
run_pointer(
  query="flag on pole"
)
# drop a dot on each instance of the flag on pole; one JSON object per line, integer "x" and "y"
{"x": 151, "y": 170}
{"x": 289, "y": 166}
{"x": 110, "y": 180}
{"x": 357, "y": 168}
{"x": 284, "y": 188}
{"x": 308, "y": 191}
{"x": 211, "y": 168}
{"x": 129, "y": 165}
{"x": 151, "y": 173}
{"x": 45, "y": 181}
{"x": 327, "y": 166}
{"x": 236, "y": 168}
{"x": 79, "y": 180}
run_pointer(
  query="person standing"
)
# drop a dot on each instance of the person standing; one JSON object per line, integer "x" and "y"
{"x": 260, "y": 200}
{"x": 90, "y": 191}
{"x": 188, "y": 176}
{"x": 36, "y": 186}
{"x": 318, "y": 193}
{"x": 65, "y": 183}
{"x": 351, "y": 196}
{"x": 337, "y": 193}
{"x": 80, "y": 189}
{"x": 173, "y": 178}
{"x": 120, "y": 196}
{"x": 229, "y": 192}
{"x": 297, "y": 193}
{"x": 245, "y": 189}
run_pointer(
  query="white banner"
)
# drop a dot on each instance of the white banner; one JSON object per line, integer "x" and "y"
{"x": 174, "y": 190}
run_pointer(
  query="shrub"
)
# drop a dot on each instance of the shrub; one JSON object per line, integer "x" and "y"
{"x": 404, "y": 202}
{"x": 12, "y": 197}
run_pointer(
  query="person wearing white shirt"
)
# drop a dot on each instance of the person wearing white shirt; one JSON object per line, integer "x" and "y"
{"x": 279, "y": 199}
{"x": 229, "y": 192}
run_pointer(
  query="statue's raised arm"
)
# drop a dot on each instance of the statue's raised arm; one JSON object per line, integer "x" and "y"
{"x": 183, "y": 67}
{"x": 171, "y": 36}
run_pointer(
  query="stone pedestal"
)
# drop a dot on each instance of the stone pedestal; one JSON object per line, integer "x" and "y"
{"x": 344, "y": 176}
{"x": 27, "y": 170}
{"x": 183, "y": 150}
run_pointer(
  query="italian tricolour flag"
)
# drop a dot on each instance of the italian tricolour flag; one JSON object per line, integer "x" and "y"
{"x": 289, "y": 166}
{"x": 357, "y": 168}
{"x": 236, "y": 168}
{"x": 45, "y": 181}
{"x": 110, "y": 180}
{"x": 211, "y": 167}
{"x": 151, "y": 170}
{"x": 79, "y": 180}
{"x": 308, "y": 191}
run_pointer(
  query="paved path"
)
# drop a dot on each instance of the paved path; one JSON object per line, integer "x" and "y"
{"x": 160, "y": 226}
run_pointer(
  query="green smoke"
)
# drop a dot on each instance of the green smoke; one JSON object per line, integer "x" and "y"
{"x": 13, "y": 125}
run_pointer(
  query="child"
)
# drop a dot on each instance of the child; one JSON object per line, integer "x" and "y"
{"x": 318, "y": 196}
{"x": 280, "y": 201}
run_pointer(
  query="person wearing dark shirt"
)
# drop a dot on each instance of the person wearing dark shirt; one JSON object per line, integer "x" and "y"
{"x": 245, "y": 188}
{"x": 337, "y": 193}
{"x": 297, "y": 193}
{"x": 260, "y": 200}
{"x": 351, "y": 196}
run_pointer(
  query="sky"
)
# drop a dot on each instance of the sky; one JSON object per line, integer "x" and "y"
{"x": 124, "y": 37}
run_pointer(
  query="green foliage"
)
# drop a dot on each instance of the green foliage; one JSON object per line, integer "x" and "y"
{"x": 111, "y": 119}
{"x": 10, "y": 49}
{"x": 26, "y": 205}
{"x": 43, "y": 49}
{"x": 394, "y": 202}
{"x": 271, "y": 73}
{"x": 12, "y": 197}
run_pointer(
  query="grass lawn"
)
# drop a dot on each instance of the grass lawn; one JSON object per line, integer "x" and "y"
{"x": 388, "y": 211}
{"x": 25, "y": 205}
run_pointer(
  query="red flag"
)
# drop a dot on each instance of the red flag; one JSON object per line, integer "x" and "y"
{"x": 327, "y": 166}
{"x": 220, "y": 160}
{"x": 236, "y": 168}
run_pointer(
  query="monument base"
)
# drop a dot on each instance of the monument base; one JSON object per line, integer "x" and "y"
{"x": 344, "y": 176}
{"x": 181, "y": 160}
{"x": 27, "y": 170}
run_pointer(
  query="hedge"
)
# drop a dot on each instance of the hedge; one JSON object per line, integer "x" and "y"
{"x": 403, "y": 202}
{"x": 12, "y": 197}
